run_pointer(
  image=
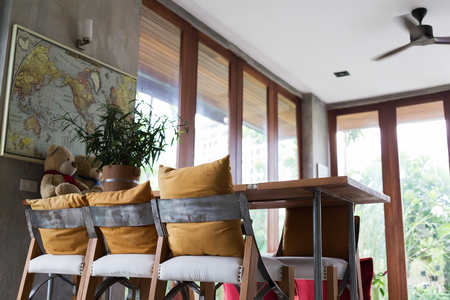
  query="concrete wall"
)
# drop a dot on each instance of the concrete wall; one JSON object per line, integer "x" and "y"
{"x": 314, "y": 135}
{"x": 115, "y": 42}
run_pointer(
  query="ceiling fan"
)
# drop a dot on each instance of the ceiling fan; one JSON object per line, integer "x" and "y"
{"x": 420, "y": 35}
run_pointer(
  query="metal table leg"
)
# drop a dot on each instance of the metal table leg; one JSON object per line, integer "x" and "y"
{"x": 352, "y": 252}
{"x": 317, "y": 230}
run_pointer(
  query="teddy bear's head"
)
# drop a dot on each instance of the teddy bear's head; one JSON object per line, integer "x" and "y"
{"x": 87, "y": 168}
{"x": 59, "y": 158}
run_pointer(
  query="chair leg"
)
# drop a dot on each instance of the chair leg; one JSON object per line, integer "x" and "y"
{"x": 250, "y": 266}
{"x": 144, "y": 286}
{"x": 208, "y": 289}
{"x": 191, "y": 294}
{"x": 359, "y": 276}
{"x": 332, "y": 283}
{"x": 287, "y": 286}
{"x": 158, "y": 287}
{"x": 76, "y": 280}
{"x": 88, "y": 284}
{"x": 27, "y": 278}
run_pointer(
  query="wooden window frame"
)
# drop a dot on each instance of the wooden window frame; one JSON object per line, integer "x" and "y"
{"x": 187, "y": 105}
{"x": 387, "y": 120}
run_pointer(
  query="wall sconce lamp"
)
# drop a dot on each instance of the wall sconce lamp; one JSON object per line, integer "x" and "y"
{"x": 87, "y": 34}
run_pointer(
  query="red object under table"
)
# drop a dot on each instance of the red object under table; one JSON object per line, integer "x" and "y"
{"x": 304, "y": 289}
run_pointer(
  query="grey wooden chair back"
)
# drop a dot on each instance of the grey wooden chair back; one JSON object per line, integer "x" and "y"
{"x": 117, "y": 216}
{"x": 53, "y": 219}
{"x": 201, "y": 209}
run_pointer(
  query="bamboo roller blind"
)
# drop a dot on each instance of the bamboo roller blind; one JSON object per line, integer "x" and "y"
{"x": 159, "y": 72}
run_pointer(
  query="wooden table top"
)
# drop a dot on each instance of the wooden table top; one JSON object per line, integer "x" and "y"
{"x": 337, "y": 190}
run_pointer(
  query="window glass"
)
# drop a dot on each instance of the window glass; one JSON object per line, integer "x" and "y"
{"x": 211, "y": 119}
{"x": 287, "y": 139}
{"x": 254, "y": 131}
{"x": 254, "y": 148}
{"x": 359, "y": 157}
{"x": 158, "y": 77}
{"x": 424, "y": 175}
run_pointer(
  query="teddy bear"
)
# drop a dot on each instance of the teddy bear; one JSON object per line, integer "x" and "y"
{"x": 59, "y": 166}
{"x": 88, "y": 173}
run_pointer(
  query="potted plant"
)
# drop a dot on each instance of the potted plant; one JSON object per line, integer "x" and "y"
{"x": 123, "y": 141}
{"x": 378, "y": 286}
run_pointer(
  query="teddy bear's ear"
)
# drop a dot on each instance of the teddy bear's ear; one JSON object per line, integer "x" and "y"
{"x": 51, "y": 150}
{"x": 79, "y": 159}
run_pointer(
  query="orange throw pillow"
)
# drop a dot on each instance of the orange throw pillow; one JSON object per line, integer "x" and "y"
{"x": 222, "y": 238}
{"x": 63, "y": 241}
{"x": 121, "y": 240}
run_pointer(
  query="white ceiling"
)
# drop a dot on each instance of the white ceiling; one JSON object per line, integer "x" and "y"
{"x": 305, "y": 41}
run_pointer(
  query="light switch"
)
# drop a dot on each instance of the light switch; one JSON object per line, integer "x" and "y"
{"x": 28, "y": 185}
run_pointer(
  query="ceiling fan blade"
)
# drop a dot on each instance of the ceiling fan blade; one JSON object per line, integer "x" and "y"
{"x": 413, "y": 29}
{"x": 393, "y": 51}
{"x": 441, "y": 40}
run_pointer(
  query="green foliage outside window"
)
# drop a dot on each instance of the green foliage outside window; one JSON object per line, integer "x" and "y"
{"x": 426, "y": 213}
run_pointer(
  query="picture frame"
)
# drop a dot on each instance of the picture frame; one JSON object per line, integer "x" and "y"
{"x": 46, "y": 80}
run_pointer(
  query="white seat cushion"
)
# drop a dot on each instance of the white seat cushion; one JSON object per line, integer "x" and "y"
{"x": 304, "y": 266}
{"x": 202, "y": 268}
{"x": 212, "y": 269}
{"x": 57, "y": 264}
{"x": 124, "y": 265}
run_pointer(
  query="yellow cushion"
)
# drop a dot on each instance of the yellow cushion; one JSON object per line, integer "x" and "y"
{"x": 63, "y": 241}
{"x": 222, "y": 238}
{"x": 121, "y": 240}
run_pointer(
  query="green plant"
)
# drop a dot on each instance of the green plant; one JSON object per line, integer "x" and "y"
{"x": 123, "y": 137}
{"x": 378, "y": 282}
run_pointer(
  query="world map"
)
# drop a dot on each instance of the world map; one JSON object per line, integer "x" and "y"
{"x": 48, "y": 81}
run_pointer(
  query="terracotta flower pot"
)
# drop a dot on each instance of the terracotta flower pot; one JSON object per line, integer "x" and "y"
{"x": 120, "y": 177}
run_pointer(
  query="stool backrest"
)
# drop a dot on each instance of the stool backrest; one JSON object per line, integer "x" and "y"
{"x": 128, "y": 215}
{"x": 54, "y": 219}
{"x": 202, "y": 209}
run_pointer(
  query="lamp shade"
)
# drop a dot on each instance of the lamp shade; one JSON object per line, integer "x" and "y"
{"x": 87, "y": 29}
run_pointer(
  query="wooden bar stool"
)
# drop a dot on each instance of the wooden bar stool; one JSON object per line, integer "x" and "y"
{"x": 185, "y": 270}
{"x": 134, "y": 271}
{"x": 38, "y": 261}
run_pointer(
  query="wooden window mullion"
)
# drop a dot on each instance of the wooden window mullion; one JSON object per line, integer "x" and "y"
{"x": 394, "y": 231}
{"x": 447, "y": 120}
{"x": 236, "y": 117}
{"x": 272, "y": 131}
{"x": 272, "y": 142}
{"x": 332, "y": 131}
{"x": 188, "y": 94}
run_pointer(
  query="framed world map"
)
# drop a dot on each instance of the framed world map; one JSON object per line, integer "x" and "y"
{"x": 46, "y": 80}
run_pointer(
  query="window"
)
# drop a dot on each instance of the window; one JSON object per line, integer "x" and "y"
{"x": 425, "y": 183}
{"x": 158, "y": 77}
{"x": 228, "y": 101}
{"x": 359, "y": 157}
{"x": 414, "y": 173}
{"x": 254, "y": 129}
{"x": 287, "y": 139}
{"x": 211, "y": 119}
{"x": 254, "y": 136}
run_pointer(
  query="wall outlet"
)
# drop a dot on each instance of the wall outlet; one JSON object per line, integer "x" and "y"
{"x": 28, "y": 185}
